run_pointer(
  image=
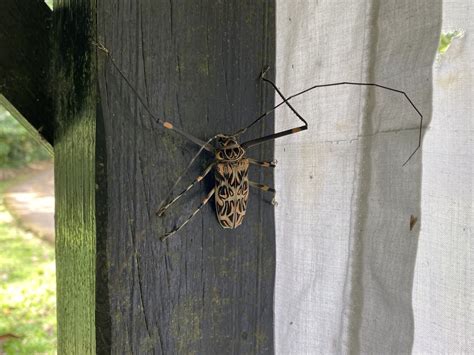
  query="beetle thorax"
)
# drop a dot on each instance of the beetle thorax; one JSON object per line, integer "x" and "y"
{"x": 229, "y": 150}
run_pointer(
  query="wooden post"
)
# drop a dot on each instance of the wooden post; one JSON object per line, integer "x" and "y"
{"x": 120, "y": 289}
{"x": 25, "y": 65}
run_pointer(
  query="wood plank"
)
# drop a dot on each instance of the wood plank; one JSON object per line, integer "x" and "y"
{"x": 25, "y": 65}
{"x": 74, "y": 166}
{"x": 206, "y": 290}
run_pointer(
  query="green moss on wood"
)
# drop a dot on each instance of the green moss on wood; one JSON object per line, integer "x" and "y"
{"x": 75, "y": 185}
{"x": 186, "y": 325}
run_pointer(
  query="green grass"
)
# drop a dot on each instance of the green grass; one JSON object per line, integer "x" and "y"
{"x": 27, "y": 288}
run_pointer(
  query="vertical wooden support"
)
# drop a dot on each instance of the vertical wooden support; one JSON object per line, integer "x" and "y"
{"x": 76, "y": 102}
{"x": 121, "y": 290}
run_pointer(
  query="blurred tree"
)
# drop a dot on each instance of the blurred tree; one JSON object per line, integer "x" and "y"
{"x": 17, "y": 147}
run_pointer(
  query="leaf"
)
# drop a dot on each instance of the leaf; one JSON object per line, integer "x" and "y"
{"x": 447, "y": 38}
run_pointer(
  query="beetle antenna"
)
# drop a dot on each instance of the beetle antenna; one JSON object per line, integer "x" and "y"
{"x": 285, "y": 101}
{"x": 165, "y": 124}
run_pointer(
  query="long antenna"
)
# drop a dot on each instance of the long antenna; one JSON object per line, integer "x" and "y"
{"x": 165, "y": 124}
{"x": 337, "y": 84}
{"x": 260, "y": 140}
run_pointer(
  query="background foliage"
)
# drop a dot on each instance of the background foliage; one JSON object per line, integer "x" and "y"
{"x": 27, "y": 288}
{"x": 17, "y": 148}
{"x": 27, "y": 267}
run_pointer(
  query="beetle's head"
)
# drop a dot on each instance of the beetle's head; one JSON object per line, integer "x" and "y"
{"x": 228, "y": 149}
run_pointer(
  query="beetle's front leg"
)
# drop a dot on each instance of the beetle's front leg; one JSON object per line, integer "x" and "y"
{"x": 265, "y": 164}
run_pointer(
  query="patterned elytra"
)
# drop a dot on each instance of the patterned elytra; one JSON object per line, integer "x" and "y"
{"x": 232, "y": 184}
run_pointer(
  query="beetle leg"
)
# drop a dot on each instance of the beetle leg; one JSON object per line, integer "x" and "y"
{"x": 162, "y": 209}
{"x": 203, "y": 203}
{"x": 265, "y": 188}
{"x": 265, "y": 164}
{"x": 262, "y": 187}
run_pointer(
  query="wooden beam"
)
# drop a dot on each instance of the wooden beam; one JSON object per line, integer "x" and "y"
{"x": 25, "y": 65}
{"x": 120, "y": 289}
{"x": 76, "y": 100}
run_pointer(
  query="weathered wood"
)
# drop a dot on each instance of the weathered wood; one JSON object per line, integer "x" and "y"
{"x": 207, "y": 290}
{"x": 75, "y": 183}
{"x": 25, "y": 65}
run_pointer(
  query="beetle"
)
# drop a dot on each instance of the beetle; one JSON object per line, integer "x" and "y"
{"x": 231, "y": 163}
{"x": 231, "y": 190}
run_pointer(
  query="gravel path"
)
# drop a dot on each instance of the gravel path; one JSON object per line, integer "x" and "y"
{"x": 32, "y": 201}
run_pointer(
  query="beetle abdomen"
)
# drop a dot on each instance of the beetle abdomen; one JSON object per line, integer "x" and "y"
{"x": 232, "y": 192}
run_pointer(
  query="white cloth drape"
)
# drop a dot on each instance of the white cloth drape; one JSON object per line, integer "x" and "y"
{"x": 346, "y": 257}
{"x": 443, "y": 290}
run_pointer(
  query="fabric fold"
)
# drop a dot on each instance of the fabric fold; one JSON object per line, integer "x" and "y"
{"x": 345, "y": 251}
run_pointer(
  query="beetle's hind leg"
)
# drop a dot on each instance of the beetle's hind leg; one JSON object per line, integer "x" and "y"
{"x": 162, "y": 209}
{"x": 265, "y": 188}
{"x": 203, "y": 203}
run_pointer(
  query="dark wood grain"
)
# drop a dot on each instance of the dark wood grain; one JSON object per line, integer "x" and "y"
{"x": 196, "y": 63}
{"x": 25, "y": 64}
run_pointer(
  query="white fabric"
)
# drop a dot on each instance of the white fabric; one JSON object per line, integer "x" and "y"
{"x": 346, "y": 256}
{"x": 443, "y": 294}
